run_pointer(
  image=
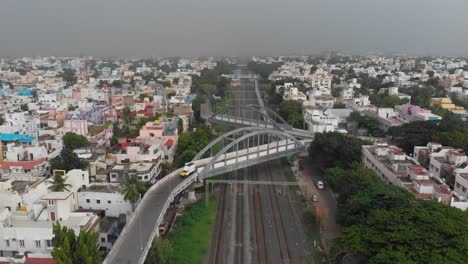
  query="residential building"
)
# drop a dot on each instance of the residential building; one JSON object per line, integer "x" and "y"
{"x": 394, "y": 167}
{"x": 105, "y": 197}
{"x": 446, "y": 103}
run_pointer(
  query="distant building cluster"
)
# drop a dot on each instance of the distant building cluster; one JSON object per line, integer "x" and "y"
{"x": 42, "y": 100}
{"x": 433, "y": 173}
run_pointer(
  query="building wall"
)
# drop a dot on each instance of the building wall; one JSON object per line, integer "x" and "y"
{"x": 79, "y": 127}
{"x": 461, "y": 186}
{"x": 112, "y": 203}
{"x": 29, "y": 236}
{"x": 382, "y": 171}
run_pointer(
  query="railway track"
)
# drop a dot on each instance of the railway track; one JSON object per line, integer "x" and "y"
{"x": 260, "y": 240}
{"x": 217, "y": 238}
{"x": 239, "y": 250}
{"x": 278, "y": 220}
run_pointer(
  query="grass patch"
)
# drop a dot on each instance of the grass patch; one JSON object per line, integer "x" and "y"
{"x": 220, "y": 128}
{"x": 96, "y": 129}
{"x": 191, "y": 235}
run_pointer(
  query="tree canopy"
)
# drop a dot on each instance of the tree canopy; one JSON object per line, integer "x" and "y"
{"x": 386, "y": 224}
{"x": 190, "y": 144}
{"x": 263, "y": 69}
{"x": 291, "y": 111}
{"x": 74, "y": 141}
{"x": 69, "y": 249}
{"x": 449, "y": 131}
{"x": 132, "y": 189}
{"x": 335, "y": 149}
{"x": 58, "y": 183}
{"x": 68, "y": 160}
{"x": 368, "y": 122}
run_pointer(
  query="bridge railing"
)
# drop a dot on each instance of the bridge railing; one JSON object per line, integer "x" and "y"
{"x": 138, "y": 211}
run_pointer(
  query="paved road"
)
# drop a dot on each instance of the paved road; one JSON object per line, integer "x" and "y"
{"x": 326, "y": 208}
{"x": 140, "y": 230}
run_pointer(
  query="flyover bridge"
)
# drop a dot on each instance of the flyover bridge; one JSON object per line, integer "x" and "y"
{"x": 252, "y": 116}
{"x": 237, "y": 149}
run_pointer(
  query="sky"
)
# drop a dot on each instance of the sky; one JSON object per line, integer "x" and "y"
{"x": 145, "y": 28}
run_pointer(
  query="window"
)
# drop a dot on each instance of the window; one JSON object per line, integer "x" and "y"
{"x": 88, "y": 200}
{"x": 103, "y": 240}
{"x": 98, "y": 201}
{"x": 7, "y": 242}
{"x": 49, "y": 243}
{"x": 21, "y": 243}
{"x": 38, "y": 243}
{"x": 109, "y": 202}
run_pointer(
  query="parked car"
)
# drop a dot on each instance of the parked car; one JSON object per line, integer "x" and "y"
{"x": 315, "y": 198}
{"x": 320, "y": 184}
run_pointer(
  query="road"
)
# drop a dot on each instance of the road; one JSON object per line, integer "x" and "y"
{"x": 139, "y": 232}
{"x": 326, "y": 207}
{"x": 258, "y": 224}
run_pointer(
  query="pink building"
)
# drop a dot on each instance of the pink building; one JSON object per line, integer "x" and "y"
{"x": 57, "y": 116}
{"x": 76, "y": 126}
{"x": 152, "y": 129}
{"x": 102, "y": 139}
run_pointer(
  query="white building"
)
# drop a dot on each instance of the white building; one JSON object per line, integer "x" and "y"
{"x": 107, "y": 198}
{"x": 318, "y": 122}
{"x": 294, "y": 94}
{"x": 20, "y": 123}
{"x": 28, "y": 209}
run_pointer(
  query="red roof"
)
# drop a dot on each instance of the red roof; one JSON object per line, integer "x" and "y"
{"x": 169, "y": 142}
{"x": 34, "y": 261}
{"x": 39, "y": 261}
{"x": 27, "y": 164}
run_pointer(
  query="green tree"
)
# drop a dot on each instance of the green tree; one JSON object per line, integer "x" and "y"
{"x": 74, "y": 141}
{"x": 291, "y": 111}
{"x": 161, "y": 252}
{"x": 59, "y": 183}
{"x": 180, "y": 125}
{"x": 132, "y": 188}
{"x": 185, "y": 157}
{"x": 334, "y": 149}
{"x": 313, "y": 69}
{"x": 24, "y": 107}
{"x": 127, "y": 116}
{"x": 69, "y": 76}
{"x": 196, "y": 107}
{"x": 422, "y": 232}
{"x": 362, "y": 121}
{"x": 2, "y": 120}
{"x": 68, "y": 160}
{"x": 263, "y": 69}
{"x": 69, "y": 249}
{"x": 165, "y": 168}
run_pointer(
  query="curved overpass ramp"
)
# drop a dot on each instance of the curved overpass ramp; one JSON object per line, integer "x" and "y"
{"x": 134, "y": 242}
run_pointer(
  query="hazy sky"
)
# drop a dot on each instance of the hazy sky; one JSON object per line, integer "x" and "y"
{"x": 231, "y": 27}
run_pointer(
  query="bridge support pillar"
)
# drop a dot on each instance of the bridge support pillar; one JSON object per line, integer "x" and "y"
{"x": 207, "y": 190}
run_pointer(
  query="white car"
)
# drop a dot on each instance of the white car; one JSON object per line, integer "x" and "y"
{"x": 320, "y": 184}
{"x": 189, "y": 168}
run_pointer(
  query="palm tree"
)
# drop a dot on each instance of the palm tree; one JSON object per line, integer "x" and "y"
{"x": 59, "y": 183}
{"x": 131, "y": 189}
